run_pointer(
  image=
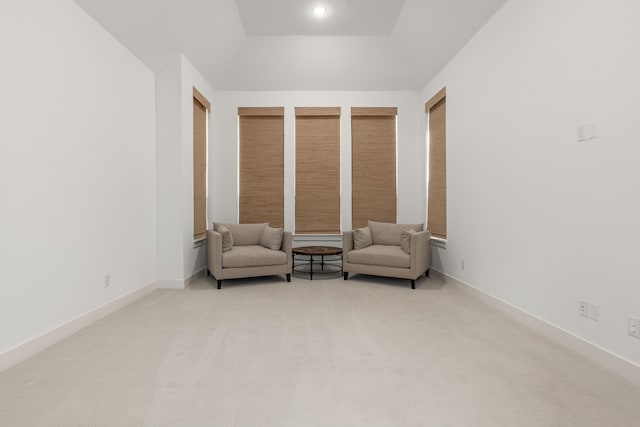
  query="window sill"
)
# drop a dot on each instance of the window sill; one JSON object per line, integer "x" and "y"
{"x": 438, "y": 242}
{"x": 317, "y": 236}
{"x": 200, "y": 242}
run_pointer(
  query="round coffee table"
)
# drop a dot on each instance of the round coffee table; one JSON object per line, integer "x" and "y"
{"x": 304, "y": 262}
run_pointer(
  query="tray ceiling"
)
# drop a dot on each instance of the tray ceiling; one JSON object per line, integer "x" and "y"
{"x": 279, "y": 45}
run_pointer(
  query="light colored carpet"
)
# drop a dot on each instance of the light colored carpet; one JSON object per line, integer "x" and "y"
{"x": 263, "y": 352}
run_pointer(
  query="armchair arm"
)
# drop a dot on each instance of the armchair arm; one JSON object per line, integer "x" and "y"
{"x": 347, "y": 242}
{"x": 420, "y": 251}
{"x": 286, "y": 248}
{"x": 214, "y": 253}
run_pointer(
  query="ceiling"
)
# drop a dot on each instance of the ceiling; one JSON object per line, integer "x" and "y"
{"x": 295, "y": 17}
{"x": 280, "y": 45}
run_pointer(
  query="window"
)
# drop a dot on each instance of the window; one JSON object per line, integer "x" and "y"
{"x": 436, "y": 110}
{"x": 318, "y": 170}
{"x": 373, "y": 169}
{"x": 261, "y": 134}
{"x": 200, "y": 110}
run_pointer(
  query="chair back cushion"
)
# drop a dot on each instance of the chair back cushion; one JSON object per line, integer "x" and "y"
{"x": 246, "y": 234}
{"x": 384, "y": 233}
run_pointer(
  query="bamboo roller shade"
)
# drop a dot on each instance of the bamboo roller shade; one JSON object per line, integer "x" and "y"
{"x": 261, "y": 111}
{"x": 199, "y": 167}
{"x": 318, "y": 170}
{"x": 373, "y": 169}
{"x": 201, "y": 98}
{"x": 437, "y": 205}
{"x": 435, "y": 99}
{"x": 262, "y": 165}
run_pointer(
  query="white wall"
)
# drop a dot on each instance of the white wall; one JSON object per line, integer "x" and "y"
{"x": 541, "y": 220}
{"x": 169, "y": 174}
{"x": 77, "y": 169}
{"x": 223, "y": 158}
{"x": 179, "y": 257}
{"x": 194, "y": 255}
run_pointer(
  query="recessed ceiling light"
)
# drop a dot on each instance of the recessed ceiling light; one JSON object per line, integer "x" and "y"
{"x": 319, "y": 10}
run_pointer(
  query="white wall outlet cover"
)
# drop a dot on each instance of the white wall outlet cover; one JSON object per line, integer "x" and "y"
{"x": 587, "y": 132}
{"x": 583, "y": 308}
{"x": 633, "y": 326}
{"x": 590, "y": 131}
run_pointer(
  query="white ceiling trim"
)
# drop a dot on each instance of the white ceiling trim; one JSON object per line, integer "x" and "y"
{"x": 400, "y": 46}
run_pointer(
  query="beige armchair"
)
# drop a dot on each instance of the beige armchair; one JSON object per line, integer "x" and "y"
{"x": 248, "y": 250}
{"x": 391, "y": 250}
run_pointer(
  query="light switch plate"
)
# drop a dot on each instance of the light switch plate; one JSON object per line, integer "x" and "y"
{"x": 633, "y": 326}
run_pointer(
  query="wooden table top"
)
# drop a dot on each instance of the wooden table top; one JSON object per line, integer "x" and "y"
{"x": 317, "y": 250}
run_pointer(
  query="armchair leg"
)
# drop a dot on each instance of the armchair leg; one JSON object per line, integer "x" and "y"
{"x": 346, "y": 275}
{"x": 288, "y": 277}
{"x": 413, "y": 284}
{"x": 426, "y": 273}
{"x": 219, "y": 284}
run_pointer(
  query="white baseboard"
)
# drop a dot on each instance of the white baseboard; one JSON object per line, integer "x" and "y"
{"x": 195, "y": 276}
{"x": 603, "y": 357}
{"x": 182, "y": 283}
{"x": 171, "y": 284}
{"x": 25, "y": 350}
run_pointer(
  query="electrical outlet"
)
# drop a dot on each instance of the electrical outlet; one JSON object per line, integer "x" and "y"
{"x": 462, "y": 265}
{"x": 587, "y": 132}
{"x": 633, "y": 326}
{"x": 594, "y": 312}
{"x": 583, "y": 309}
{"x": 107, "y": 280}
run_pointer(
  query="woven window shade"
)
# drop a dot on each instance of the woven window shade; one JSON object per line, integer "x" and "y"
{"x": 262, "y": 165}
{"x": 318, "y": 170}
{"x": 200, "y": 107}
{"x": 373, "y": 169}
{"x": 437, "y": 205}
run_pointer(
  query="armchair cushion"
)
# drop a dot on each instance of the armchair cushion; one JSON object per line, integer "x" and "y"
{"x": 405, "y": 240}
{"x": 362, "y": 238}
{"x": 271, "y": 238}
{"x": 382, "y": 255}
{"x": 245, "y": 234}
{"x": 383, "y": 233}
{"x": 227, "y": 238}
{"x": 252, "y": 256}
